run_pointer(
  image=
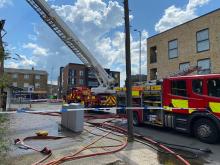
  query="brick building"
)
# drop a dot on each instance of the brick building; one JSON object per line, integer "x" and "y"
{"x": 25, "y": 78}
{"x": 194, "y": 43}
{"x": 75, "y": 75}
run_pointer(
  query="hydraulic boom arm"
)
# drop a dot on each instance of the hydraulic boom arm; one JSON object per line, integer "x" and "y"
{"x": 55, "y": 22}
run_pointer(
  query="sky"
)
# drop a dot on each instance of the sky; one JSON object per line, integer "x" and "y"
{"x": 99, "y": 24}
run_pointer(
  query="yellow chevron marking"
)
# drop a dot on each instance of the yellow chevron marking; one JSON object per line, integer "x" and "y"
{"x": 215, "y": 107}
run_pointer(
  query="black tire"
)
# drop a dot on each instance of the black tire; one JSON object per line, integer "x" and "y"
{"x": 136, "y": 121}
{"x": 206, "y": 130}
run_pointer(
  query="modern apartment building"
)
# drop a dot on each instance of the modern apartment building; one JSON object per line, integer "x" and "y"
{"x": 75, "y": 75}
{"x": 194, "y": 43}
{"x": 26, "y": 79}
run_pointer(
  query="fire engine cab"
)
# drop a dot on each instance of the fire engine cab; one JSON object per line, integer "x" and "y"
{"x": 189, "y": 104}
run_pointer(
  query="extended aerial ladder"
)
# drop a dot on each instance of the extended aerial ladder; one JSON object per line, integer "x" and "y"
{"x": 62, "y": 30}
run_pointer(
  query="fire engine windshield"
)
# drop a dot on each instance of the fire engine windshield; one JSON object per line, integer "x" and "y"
{"x": 214, "y": 87}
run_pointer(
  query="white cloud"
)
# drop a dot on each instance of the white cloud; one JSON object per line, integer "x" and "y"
{"x": 24, "y": 62}
{"x": 174, "y": 16}
{"x": 36, "y": 49}
{"x": 98, "y": 25}
{"x": 4, "y": 3}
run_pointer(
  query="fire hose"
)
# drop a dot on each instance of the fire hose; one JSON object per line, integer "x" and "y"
{"x": 114, "y": 129}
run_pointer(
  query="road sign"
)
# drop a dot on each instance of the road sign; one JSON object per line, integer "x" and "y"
{"x": 30, "y": 89}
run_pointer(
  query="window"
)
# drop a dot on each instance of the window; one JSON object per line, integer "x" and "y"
{"x": 72, "y": 73}
{"x": 81, "y": 82}
{"x": 37, "y": 85}
{"x": 153, "y": 54}
{"x": 184, "y": 66}
{"x": 81, "y": 73}
{"x": 26, "y": 76}
{"x": 197, "y": 86}
{"x": 26, "y": 85}
{"x": 91, "y": 74}
{"x": 202, "y": 39}
{"x": 14, "y": 84}
{"x": 173, "y": 49}
{"x": 214, "y": 87}
{"x": 15, "y": 75}
{"x": 204, "y": 66}
{"x": 93, "y": 83}
{"x": 71, "y": 81}
{"x": 153, "y": 74}
{"x": 178, "y": 87}
{"x": 37, "y": 77}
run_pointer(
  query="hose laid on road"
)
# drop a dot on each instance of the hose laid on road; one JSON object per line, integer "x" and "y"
{"x": 89, "y": 146}
{"x": 124, "y": 131}
{"x": 44, "y": 151}
{"x": 113, "y": 129}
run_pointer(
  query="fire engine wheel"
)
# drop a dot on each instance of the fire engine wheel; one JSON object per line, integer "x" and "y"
{"x": 206, "y": 131}
{"x": 135, "y": 119}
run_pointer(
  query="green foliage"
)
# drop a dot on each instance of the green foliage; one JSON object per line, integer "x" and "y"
{"x": 3, "y": 141}
{"x": 4, "y": 81}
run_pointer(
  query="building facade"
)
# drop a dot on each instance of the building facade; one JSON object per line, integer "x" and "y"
{"x": 135, "y": 79}
{"x": 194, "y": 43}
{"x": 76, "y": 75}
{"x": 26, "y": 79}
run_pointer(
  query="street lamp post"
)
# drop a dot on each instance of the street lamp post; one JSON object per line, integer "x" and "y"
{"x": 140, "y": 78}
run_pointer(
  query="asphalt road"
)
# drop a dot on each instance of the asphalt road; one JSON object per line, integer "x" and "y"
{"x": 171, "y": 136}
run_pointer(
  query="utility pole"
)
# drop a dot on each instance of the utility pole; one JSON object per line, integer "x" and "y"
{"x": 2, "y": 22}
{"x": 128, "y": 72}
{"x": 51, "y": 81}
{"x": 140, "y": 34}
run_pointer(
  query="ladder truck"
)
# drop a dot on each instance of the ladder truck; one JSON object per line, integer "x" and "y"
{"x": 55, "y": 22}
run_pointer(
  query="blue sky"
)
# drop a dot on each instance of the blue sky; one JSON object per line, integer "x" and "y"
{"x": 98, "y": 23}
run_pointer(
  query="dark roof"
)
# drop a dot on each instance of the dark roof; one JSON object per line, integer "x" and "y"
{"x": 186, "y": 22}
{"x": 25, "y": 71}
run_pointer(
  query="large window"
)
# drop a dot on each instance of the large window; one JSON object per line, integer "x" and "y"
{"x": 26, "y": 76}
{"x": 81, "y": 73}
{"x": 37, "y": 85}
{"x": 178, "y": 87}
{"x": 26, "y": 85}
{"x": 153, "y": 74}
{"x": 214, "y": 87}
{"x": 37, "y": 77}
{"x": 72, "y": 73}
{"x": 204, "y": 66}
{"x": 202, "y": 39}
{"x": 153, "y": 54}
{"x": 173, "y": 49}
{"x": 14, "y": 84}
{"x": 15, "y": 75}
{"x": 184, "y": 66}
{"x": 197, "y": 86}
{"x": 81, "y": 82}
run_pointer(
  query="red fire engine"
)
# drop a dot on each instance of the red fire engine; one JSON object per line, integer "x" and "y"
{"x": 85, "y": 96}
{"x": 189, "y": 104}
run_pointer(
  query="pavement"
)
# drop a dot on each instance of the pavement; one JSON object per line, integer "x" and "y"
{"x": 22, "y": 125}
